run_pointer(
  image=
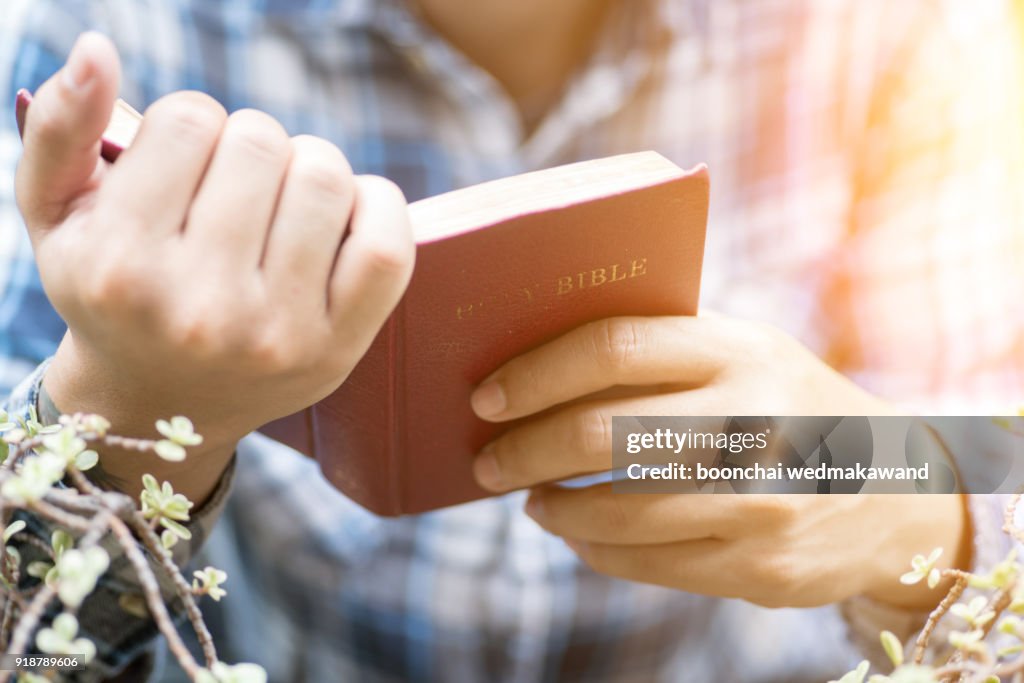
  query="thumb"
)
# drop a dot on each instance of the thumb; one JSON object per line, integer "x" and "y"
{"x": 63, "y": 128}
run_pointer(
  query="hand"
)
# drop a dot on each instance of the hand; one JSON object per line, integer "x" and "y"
{"x": 219, "y": 270}
{"x": 773, "y": 550}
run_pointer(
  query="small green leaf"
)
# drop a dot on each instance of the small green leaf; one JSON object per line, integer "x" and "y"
{"x": 37, "y": 474}
{"x": 180, "y": 431}
{"x": 855, "y": 676}
{"x": 913, "y": 674}
{"x": 1010, "y": 625}
{"x": 238, "y": 673}
{"x": 893, "y": 647}
{"x": 66, "y": 443}
{"x": 78, "y": 572}
{"x": 1010, "y": 650}
{"x": 13, "y": 528}
{"x": 86, "y": 460}
{"x": 38, "y": 569}
{"x": 204, "y": 676}
{"x": 169, "y": 451}
{"x": 923, "y": 567}
{"x": 208, "y": 582}
{"x": 49, "y": 641}
{"x": 60, "y": 541}
{"x": 177, "y": 529}
{"x": 134, "y": 604}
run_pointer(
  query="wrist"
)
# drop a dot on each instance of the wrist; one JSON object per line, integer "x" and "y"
{"x": 928, "y": 522}
{"x": 74, "y": 382}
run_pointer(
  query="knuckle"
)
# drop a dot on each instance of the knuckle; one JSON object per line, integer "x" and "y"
{"x": 188, "y": 116}
{"x": 204, "y": 329}
{"x": 320, "y": 165}
{"x": 618, "y": 341}
{"x": 258, "y": 135}
{"x": 778, "y": 511}
{"x": 382, "y": 189}
{"x": 274, "y": 353}
{"x": 592, "y": 434}
{"x": 775, "y": 574}
{"x": 194, "y": 331}
{"x": 388, "y": 258}
{"x": 755, "y": 341}
{"x": 111, "y": 284}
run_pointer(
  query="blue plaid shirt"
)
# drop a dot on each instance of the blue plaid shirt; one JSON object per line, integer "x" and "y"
{"x": 831, "y": 129}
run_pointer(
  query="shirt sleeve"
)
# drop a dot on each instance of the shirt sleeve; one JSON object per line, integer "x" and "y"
{"x": 926, "y": 299}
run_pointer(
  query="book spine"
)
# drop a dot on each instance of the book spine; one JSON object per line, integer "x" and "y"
{"x": 397, "y": 432}
{"x": 355, "y": 428}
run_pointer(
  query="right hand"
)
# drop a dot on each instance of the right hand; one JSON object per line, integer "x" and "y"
{"x": 219, "y": 270}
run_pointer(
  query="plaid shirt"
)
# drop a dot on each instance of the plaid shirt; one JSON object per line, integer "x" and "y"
{"x": 866, "y": 161}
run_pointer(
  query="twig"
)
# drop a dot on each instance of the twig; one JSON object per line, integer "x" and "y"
{"x": 152, "y": 543}
{"x": 183, "y": 589}
{"x": 94, "y": 530}
{"x": 59, "y": 516}
{"x": 27, "y": 624}
{"x": 154, "y": 599}
{"x": 952, "y": 596}
{"x": 106, "y": 512}
{"x": 36, "y": 542}
{"x": 1009, "y": 519}
{"x": 7, "y": 620}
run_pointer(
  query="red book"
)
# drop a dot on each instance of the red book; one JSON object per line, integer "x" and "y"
{"x": 501, "y": 268}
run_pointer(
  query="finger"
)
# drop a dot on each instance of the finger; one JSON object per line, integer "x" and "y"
{"x": 233, "y": 210}
{"x": 707, "y": 566}
{"x": 311, "y": 218}
{"x": 151, "y": 187}
{"x": 375, "y": 260}
{"x": 63, "y": 128}
{"x": 575, "y": 440}
{"x": 615, "y": 351}
{"x": 597, "y": 513}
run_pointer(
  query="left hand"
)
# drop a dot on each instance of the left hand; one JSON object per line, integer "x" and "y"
{"x": 775, "y": 550}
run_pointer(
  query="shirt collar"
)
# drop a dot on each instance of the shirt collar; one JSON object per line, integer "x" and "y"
{"x": 635, "y": 36}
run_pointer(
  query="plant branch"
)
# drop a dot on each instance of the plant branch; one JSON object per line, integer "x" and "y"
{"x": 154, "y": 599}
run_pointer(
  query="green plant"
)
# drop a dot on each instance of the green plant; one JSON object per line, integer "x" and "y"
{"x": 41, "y": 473}
{"x": 987, "y": 644}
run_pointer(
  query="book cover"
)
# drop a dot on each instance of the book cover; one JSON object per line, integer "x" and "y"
{"x": 518, "y": 262}
{"x": 501, "y": 268}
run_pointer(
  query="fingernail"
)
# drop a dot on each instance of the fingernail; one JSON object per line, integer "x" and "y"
{"x": 488, "y": 400}
{"x": 486, "y": 470}
{"x": 78, "y": 71}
